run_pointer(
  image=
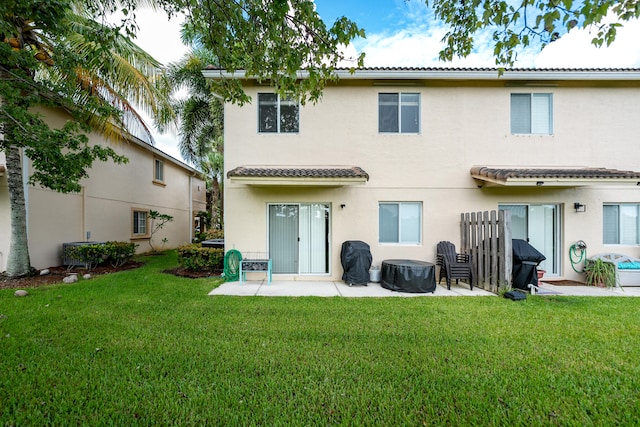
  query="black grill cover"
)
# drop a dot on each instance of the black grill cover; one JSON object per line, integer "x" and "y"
{"x": 405, "y": 275}
{"x": 356, "y": 261}
{"x": 526, "y": 259}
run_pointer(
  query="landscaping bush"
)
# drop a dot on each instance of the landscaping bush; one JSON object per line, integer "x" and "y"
{"x": 196, "y": 258}
{"x": 119, "y": 253}
{"x": 215, "y": 234}
{"x": 116, "y": 253}
{"x": 90, "y": 255}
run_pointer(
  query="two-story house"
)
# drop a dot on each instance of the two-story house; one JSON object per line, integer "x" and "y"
{"x": 393, "y": 156}
{"x": 113, "y": 205}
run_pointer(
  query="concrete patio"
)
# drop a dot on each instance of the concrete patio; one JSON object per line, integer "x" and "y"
{"x": 340, "y": 289}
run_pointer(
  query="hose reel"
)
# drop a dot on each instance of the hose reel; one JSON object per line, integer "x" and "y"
{"x": 578, "y": 255}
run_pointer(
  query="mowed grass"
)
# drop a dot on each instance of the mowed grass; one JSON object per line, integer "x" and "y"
{"x": 146, "y": 348}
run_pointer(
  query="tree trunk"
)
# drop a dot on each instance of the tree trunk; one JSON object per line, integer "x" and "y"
{"x": 216, "y": 205}
{"x": 18, "y": 263}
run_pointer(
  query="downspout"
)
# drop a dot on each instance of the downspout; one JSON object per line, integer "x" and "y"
{"x": 190, "y": 208}
{"x": 84, "y": 234}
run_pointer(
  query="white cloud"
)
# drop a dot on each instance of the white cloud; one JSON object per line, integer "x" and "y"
{"x": 575, "y": 50}
{"x": 160, "y": 36}
{"x": 419, "y": 44}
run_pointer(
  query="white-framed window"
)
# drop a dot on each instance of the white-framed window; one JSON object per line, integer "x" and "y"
{"x": 140, "y": 222}
{"x": 621, "y": 224}
{"x": 532, "y": 113}
{"x": 158, "y": 170}
{"x": 399, "y": 112}
{"x": 277, "y": 114}
{"x": 400, "y": 222}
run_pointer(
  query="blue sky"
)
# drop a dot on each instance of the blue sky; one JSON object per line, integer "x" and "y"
{"x": 374, "y": 16}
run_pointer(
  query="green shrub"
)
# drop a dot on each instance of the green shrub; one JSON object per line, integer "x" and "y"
{"x": 116, "y": 253}
{"x": 90, "y": 255}
{"x": 199, "y": 237}
{"x": 119, "y": 253}
{"x": 215, "y": 234}
{"x": 196, "y": 258}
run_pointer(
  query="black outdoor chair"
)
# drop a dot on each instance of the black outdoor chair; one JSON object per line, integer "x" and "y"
{"x": 453, "y": 265}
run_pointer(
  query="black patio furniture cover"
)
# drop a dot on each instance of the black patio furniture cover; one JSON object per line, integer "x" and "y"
{"x": 356, "y": 261}
{"x": 406, "y": 275}
{"x": 526, "y": 259}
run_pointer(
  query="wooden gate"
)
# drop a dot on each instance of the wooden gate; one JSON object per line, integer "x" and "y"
{"x": 487, "y": 237}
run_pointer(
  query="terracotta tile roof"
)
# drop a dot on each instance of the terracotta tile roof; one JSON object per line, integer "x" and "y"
{"x": 299, "y": 172}
{"x": 590, "y": 70}
{"x": 553, "y": 173}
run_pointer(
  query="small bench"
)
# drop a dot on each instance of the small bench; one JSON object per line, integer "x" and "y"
{"x": 627, "y": 268}
{"x": 253, "y": 264}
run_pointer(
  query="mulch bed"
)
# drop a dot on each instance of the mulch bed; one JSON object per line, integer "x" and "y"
{"x": 563, "y": 282}
{"x": 183, "y": 272}
{"x": 58, "y": 273}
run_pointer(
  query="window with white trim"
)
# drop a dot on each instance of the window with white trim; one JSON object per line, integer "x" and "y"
{"x": 400, "y": 222}
{"x": 140, "y": 223}
{"x": 277, "y": 114}
{"x": 621, "y": 224}
{"x": 399, "y": 112}
{"x": 532, "y": 113}
{"x": 158, "y": 170}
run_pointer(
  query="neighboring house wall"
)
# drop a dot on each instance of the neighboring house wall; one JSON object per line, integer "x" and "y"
{"x": 463, "y": 123}
{"x": 103, "y": 210}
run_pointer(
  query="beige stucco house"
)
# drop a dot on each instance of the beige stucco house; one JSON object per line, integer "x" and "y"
{"x": 112, "y": 205}
{"x": 393, "y": 156}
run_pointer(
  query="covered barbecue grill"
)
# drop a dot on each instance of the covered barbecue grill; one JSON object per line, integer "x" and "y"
{"x": 356, "y": 261}
{"x": 526, "y": 259}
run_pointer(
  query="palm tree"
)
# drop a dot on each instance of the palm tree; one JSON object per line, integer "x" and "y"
{"x": 54, "y": 54}
{"x": 200, "y": 121}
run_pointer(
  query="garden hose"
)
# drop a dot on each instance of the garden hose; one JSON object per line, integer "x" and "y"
{"x": 232, "y": 265}
{"x": 578, "y": 255}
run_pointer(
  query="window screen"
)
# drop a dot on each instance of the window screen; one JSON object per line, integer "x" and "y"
{"x": 399, "y": 112}
{"x": 531, "y": 113}
{"x": 277, "y": 115}
{"x": 400, "y": 222}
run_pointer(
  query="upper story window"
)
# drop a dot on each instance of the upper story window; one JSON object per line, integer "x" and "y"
{"x": 398, "y": 112}
{"x": 400, "y": 222}
{"x": 621, "y": 224}
{"x": 532, "y": 113}
{"x": 277, "y": 114}
{"x": 158, "y": 170}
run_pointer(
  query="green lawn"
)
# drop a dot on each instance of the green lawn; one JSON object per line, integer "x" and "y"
{"x": 146, "y": 348}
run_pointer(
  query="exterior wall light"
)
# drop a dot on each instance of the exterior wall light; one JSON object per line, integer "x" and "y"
{"x": 579, "y": 207}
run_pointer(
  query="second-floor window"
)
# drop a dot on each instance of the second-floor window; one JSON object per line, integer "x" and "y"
{"x": 532, "y": 113}
{"x": 158, "y": 170}
{"x": 277, "y": 114}
{"x": 399, "y": 112}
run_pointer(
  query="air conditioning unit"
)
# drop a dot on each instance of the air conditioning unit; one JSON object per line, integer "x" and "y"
{"x": 68, "y": 254}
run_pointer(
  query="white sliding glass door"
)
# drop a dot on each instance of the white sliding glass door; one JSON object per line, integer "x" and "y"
{"x": 540, "y": 226}
{"x": 299, "y": 238}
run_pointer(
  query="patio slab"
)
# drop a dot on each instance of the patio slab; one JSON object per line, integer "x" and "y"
{"x": 589, "y": 291}
{"x": 332, "y": 289}
{"x": 338, "y": 288}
